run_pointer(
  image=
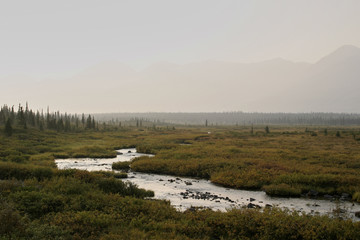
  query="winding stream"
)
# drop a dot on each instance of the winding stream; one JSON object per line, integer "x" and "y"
{"x": 184, "y": 193}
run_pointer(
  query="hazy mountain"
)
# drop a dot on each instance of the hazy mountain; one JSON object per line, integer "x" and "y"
{"x": 329, "y": 85}
{"x": 332, "y": 84}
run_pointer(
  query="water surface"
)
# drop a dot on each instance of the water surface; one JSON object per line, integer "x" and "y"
{"x": 184, "y": 193}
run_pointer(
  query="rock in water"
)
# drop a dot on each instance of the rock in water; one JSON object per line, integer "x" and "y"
{"x": 312, "y": 193}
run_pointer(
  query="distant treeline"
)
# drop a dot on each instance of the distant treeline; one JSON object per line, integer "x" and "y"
{"x": 238, "y": 118}
{"x": 25, "y": 117}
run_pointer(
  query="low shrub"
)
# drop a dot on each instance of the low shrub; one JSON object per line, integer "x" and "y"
{"x": 282, "y": 190}
{"x": 121, "y": 166}
{"x": 22, "y": 172}
{"x": 356, "y": 196}
{"x": 112, "y": 185}
{"x": 120, "y": 175}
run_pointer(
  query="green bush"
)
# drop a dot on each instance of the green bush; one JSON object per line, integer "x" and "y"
{"x": 37, "y": 204}
{"x": 22, "y": 172}
{"x": 356, "y": 196}
{"x": 282, "y": 190}
{"x": 10, "y": 219}
{"x": 112, "y": 185}
{"x": 121, "y": 165}
{"x": 120, "y": 175}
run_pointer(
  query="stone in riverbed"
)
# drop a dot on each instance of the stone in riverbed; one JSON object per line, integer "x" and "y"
{"x": 345, "y": 196}
{"x": 251, "y": 205}
{"x": 192, "y": 209}
{"x": 312, "y": 193}
{"x": 357, "y": 214}
{"x": 328, "y": 197}
{"x": 339, "y": 210}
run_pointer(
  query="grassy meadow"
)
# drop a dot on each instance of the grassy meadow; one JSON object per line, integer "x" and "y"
{"x": 38, "y": 201}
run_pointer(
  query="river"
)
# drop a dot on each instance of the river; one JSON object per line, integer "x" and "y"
{"x": 184, "y": 193}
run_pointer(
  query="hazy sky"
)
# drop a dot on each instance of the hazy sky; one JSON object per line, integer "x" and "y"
{"x": 47, "y": 46}
{"x": 50, "y": 38}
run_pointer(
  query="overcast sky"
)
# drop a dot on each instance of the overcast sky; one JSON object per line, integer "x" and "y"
{"x": 54, "y": 37}
{"x": 46, "y": 41}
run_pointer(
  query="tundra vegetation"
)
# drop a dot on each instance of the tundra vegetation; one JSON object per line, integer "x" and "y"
{"x": 124, "y": 166}
{"x": 38, "y": 201}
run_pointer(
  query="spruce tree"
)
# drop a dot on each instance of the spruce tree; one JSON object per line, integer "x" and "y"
{"x": 83, "y": 120}
{"x": 267, "y": 130}
{"x": 8, "y": 129}
{"x": 93, "y": 125}
{"x": 88, "y": 122}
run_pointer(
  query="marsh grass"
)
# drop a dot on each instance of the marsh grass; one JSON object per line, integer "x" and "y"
{"x": 230, "y": 156}
{"x": 234, "y": 157}
{"x": 40, "y": 202}
{"x": 125, "y": 166}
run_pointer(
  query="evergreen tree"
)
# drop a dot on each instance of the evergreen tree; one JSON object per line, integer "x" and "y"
{"x": 267, "y": 130}
{"x": 8, "y": 129}
{"x": 21, "y": 116}
{"x": 60, "y": 125}
{"x": 67, "y": 125}
{"x": 88, "y": 122}
{"x": 83, "y": 119}
{"x": 76, "y": 123}
{"x": 12, "y": 114}
{"x": 37, "y": 119}
{"x": 93, "y": 125}
{"x": 354, "y": 135}
{"x": 26, "y": 117}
